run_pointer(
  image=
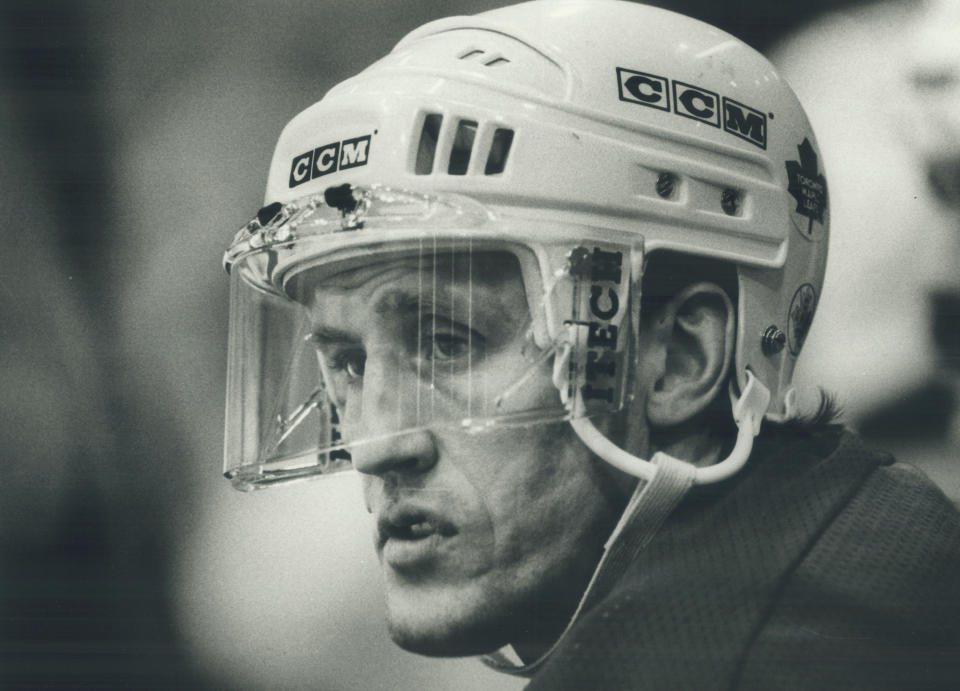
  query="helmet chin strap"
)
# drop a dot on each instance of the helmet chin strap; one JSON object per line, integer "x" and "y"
{"x": 664, "y": 482}
{"x": 748, "y": 412}
{"x": 650, "y": 505}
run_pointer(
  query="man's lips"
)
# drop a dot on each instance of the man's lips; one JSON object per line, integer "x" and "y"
{"x": 412, "y": 522}
{"x": 409, "y": 534}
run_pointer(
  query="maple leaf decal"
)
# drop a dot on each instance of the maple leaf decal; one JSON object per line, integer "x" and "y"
{"x": 807, "y": 185}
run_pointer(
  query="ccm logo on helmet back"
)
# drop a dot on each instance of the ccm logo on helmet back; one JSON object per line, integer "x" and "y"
{"x": 329, "y": 158}
{"x": 693, "y": 102}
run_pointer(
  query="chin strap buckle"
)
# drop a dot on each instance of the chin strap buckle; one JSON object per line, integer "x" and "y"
{"x": 752, "y": 404}
{"x": 748, "y": 412}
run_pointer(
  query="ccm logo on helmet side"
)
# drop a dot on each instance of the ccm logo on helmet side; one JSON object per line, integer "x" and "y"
{"x": 329, "y": 158}
{"x": 693, "y": 102}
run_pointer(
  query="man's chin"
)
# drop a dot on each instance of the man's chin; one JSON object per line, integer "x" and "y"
{"x": 443, "y": 630}
{"x": 445, "y": 643}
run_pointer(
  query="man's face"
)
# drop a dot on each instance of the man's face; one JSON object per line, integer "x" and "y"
{"x": 484, "y": 537}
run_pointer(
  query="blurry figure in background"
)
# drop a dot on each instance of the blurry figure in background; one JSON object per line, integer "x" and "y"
{"x": 882, "y": 86}
{"x": 506, "y": 264}
{"x": 82, "y": 581}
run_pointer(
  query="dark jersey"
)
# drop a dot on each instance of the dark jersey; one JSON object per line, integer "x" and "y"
{"x": 822, "y": 565}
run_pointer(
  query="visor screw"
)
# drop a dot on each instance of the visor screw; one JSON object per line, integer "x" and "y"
{"x": 730, "y": 202}
{"x": 268, "y": 213}
{"x": 341, "y": 197}
{"x": 773, "y": 340}
{"x": 666, "y": 184}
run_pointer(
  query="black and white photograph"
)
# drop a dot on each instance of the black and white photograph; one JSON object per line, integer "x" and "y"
{"x": 485, "y": 345}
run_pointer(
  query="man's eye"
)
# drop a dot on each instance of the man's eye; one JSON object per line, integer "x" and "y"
{"x": 448, "y": 346}
{"x": 350, "y": 361}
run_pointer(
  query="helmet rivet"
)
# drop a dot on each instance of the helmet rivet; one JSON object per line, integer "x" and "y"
{"x": 730, "y": 201}
{"x": 773, "y": 340}
{"x": 578, "y": 262}
{"x": 666, "y": 184}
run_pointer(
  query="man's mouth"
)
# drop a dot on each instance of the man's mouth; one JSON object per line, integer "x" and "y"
{"x": 409, "y": 537}
{"x": 411, "y": 523}
{"x": 412, "y": 531}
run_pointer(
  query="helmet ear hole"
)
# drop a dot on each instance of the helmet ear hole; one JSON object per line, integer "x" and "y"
{"x": 696, "y": 335}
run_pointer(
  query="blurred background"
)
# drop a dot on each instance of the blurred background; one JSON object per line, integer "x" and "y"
{"x": 135, "y": 138}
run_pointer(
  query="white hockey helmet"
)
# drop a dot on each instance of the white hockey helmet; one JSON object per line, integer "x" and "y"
{"x": 563, "y": 131}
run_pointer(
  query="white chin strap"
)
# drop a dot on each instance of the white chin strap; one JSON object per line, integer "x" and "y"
{"x": 748, "y": 412}
{"x": 664, "y": 483}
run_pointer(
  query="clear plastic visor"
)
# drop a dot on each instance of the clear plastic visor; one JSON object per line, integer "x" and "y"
{"x": 436, "y": 332}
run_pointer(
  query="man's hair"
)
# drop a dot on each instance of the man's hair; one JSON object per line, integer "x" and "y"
{"x": 665, "y": 275}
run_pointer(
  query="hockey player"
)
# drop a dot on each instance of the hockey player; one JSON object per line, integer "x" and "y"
{"x": 542, "y": 275}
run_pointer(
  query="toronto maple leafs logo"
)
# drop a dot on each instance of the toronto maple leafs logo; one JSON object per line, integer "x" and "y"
{"x": 808, "y": 186}
{"x": 802, "y": 307}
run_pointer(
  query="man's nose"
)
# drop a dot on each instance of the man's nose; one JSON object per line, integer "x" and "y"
{"x": 409, "y": 452}
{"x": 384, "y": 431}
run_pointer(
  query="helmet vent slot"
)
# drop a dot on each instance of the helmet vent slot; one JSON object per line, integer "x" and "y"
{"x": 490, "y": 59}
{"x": 455, "y": 142}
{"x": 499, "y": 151}
{"x": 462, "y": 147}
{"x": 427, "y": 148}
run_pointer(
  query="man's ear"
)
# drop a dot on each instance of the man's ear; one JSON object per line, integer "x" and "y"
{"x": 690, "y": 347}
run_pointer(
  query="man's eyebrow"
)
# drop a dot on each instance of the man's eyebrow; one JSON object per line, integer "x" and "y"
{"x": 401, "y": 301}
{"x": 331, "y": 334}
{"x": 393, "y": 302}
